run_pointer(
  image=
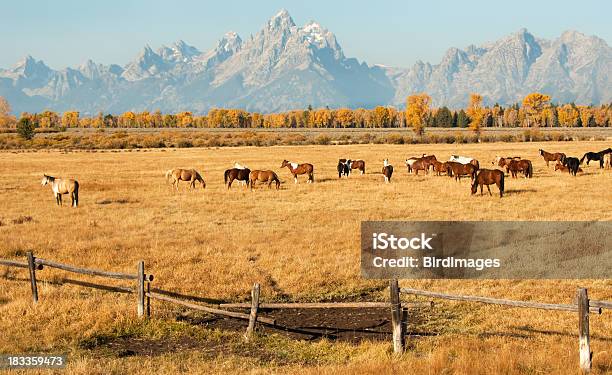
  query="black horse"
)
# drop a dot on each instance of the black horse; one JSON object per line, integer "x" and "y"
{"x": 572, "y": 164}
{"x": 596, "y": 156}
{"x": 232, "y": 174}
{"x": 343, "y": 168}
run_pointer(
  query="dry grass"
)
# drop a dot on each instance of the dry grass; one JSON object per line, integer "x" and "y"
{"x": 300, "y": 243}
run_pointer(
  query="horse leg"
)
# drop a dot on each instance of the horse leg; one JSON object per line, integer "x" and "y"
{"x": 295, "y": 181}
{"x": 59, "y": 196}
{"x": 480, "y": 189}
{"x": 229, "y": 184}
{"x": 489, "y": 189}
{"x": 57, "y": 200}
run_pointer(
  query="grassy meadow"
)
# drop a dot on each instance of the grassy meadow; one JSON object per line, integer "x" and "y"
{"x": 301, "y": 243}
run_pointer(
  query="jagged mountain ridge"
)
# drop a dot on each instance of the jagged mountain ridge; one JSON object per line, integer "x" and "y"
{"x": 284, "y": 66}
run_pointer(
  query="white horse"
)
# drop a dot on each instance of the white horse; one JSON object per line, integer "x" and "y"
{"x": 461, "y": 159}
{"x": 61, "y": 186}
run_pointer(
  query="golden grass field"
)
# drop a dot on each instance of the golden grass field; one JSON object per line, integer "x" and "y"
{"x": 301, "y": 243}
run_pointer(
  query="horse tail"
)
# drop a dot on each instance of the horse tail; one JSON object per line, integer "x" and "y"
{"x": 276, "y": 180}
{"x": 168, "y": 174}
{"x": 530, "y": 170}
{"x": 501, "y": 185}
{"x": 311, "y": 175}
{"x": 584, "y": 157}
{"x": 226, "y": 176}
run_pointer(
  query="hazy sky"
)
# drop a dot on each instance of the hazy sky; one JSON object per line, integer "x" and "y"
{"x": 397, "y": 33}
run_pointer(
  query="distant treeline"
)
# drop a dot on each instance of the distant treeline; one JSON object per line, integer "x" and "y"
{"x": 535, "y": 110}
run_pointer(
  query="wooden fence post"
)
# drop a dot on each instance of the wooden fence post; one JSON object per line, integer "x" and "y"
{"x": 32, "y": 268}
{"x": 583, "y": 330}
{"x": 140, "y": 288}
{"x": 396, "y": 317}
{"x": 254, "y": 308}
{"x": 148, "y": 299}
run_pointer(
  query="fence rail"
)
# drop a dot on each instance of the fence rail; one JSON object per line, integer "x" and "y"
{"x": 399, "y": 311}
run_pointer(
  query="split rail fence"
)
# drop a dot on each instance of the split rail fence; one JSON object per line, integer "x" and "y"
{"x": 399, "y": 311}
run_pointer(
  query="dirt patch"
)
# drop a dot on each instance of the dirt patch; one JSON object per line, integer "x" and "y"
{"x": 338, "y": 324}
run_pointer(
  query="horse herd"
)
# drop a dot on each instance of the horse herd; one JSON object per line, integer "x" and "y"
{"x": 456, "y": 167}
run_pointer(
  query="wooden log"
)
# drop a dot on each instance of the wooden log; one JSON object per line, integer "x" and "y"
{"x": 600, "y": 304}
{"x": 253, "y": 314}
{"x": 396, "y": 317}
{"x": 584, "y": 340}
{"x": 32, "y": 268}
{"x": 496, "y": 301}
{"x": 12, "y": 263}
{"x": 86, "y": 271}
{"x": 324, "y": 305}
{"x": 210, "y": 310}
{"x": 140, "y": 289}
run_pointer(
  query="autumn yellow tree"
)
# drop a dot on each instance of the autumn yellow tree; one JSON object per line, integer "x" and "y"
{"x": 568, "y": 115}
{"x": 417, "y": 110}
{"x": 6, "y": 120}
{"x": 70, "y": 119}
{"x": 535, "y": 106}
{"x": 475, "y": 112}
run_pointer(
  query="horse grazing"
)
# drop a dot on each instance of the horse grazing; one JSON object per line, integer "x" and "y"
{"x": 464, "y": 160}
{"x": 523, "y": 165}
{"x": 563, "y": 168}
{"x": 409, "y": 162}
{"x": 356, "y": 164}
{"x": 387, "y": 170}
{"x": 297, "y": 169}
{"x": 489, "y": 177}
{"x": 548, "y": 157}
{"x": 503, "y": 161}
{"x": 596, "y": 156}
{"x": 343, "y": 168}
{"x": 190, "y": 175}
{"x": 63, "y": 186}
{"x": 232, "y": 174}
{"x": 572, "y": 164}
{"x": 264, "y": 176}
{"x": 455, "y": 169}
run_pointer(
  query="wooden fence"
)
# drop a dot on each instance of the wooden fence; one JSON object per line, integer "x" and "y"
{"x": 399, "y": 311}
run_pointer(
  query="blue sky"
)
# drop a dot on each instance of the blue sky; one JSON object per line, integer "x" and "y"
{"x": 397, "y": 33}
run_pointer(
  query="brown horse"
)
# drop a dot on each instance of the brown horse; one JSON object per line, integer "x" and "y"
{"x": 421, "y": 164}
{"x": 356, "y": 164}
{"x": 264, "y": 176}
{"x": 387, "y": 170}
{"x": 523, "y": 165}
{"x": 455, "y": 169}
{"x": 190, "y": 175}
{"x": 489, "y": 177}
{"x": 563, "y": 168}
{"x": 503, "y": 161}
{"x": 548, "y": 157}
{"x": 297, "y": 169}
{"x": 439, "y": 167}
{"x": 62, "y": 186}
{"x": 236, "y": 174}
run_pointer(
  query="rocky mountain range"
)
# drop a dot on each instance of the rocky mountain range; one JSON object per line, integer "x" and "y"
{"x": 285, "y": 66}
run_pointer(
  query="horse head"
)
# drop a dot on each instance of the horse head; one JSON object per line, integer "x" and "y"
{"x": 284, "y": 164}
{"x": 45, "y": 180}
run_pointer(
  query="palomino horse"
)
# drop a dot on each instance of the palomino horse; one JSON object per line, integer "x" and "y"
{"x": 563, "y": 168}
{"x": 489, "y": 177}
{"x": 297, "y": 169}
{"x": 607, "y": 161}
{"x": 240, "y": 174}
{"x": 63, "y": 186}
{"x": 409, "y": 162}
{"x": 456, "y": 169}
{"x": 548, "y": 157}
{"x": 387, "y": 170}
{"x": 264, "y": 176}
{"x": 464, "y": 160}
{"x": 596, "y": 156}
{"x": 523, "y": 165}
{"x": 179, "y": 174}
{"x": 356, "y": 164}
{"x": 572, "y": 164}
